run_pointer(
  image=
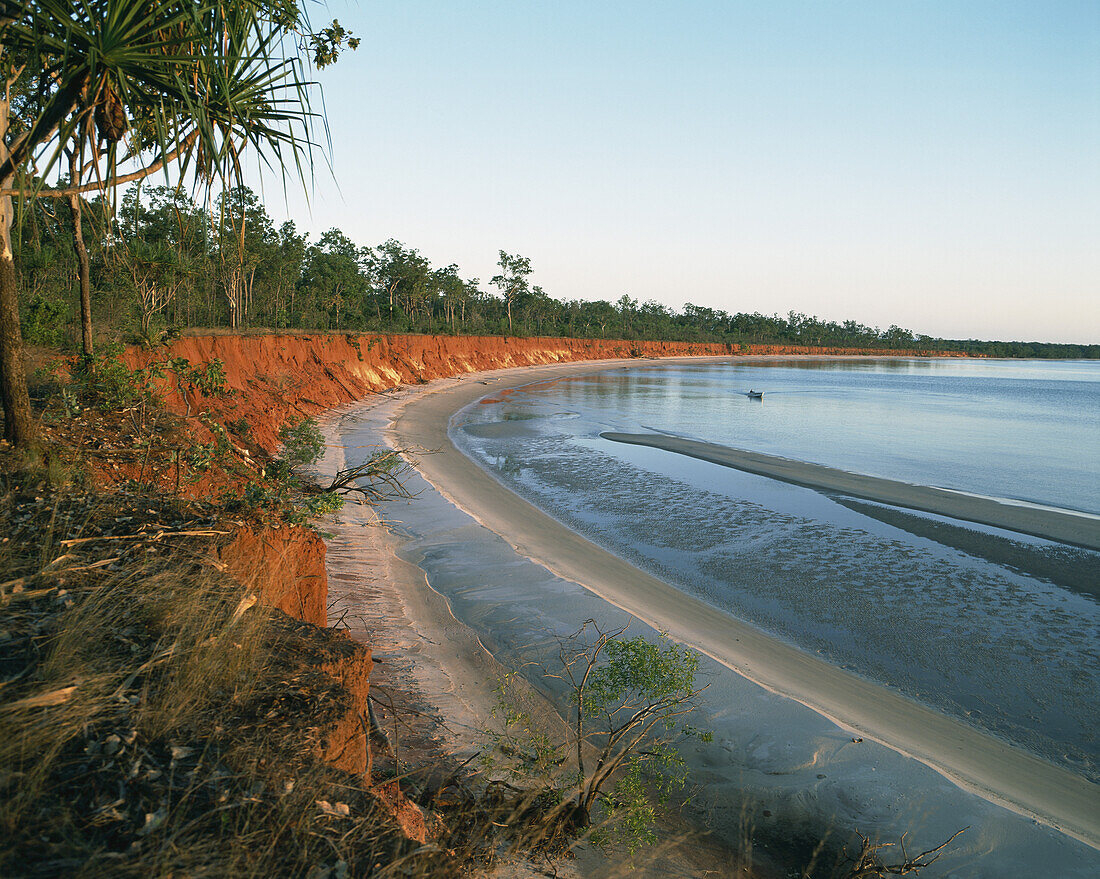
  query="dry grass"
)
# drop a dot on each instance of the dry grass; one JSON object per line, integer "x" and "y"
{"x": 152, "y": 720}
{"x": 156, "y": 721}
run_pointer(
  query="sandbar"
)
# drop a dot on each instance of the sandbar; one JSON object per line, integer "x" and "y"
{"x": 1051, "y": 524}
{"x": 974, "y": 760}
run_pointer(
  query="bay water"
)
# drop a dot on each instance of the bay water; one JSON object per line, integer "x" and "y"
{"x": 996, "y": 628}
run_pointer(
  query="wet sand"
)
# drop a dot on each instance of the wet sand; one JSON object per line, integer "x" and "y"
{"x": 1039, "y": 522}
{"x": 442, "y": 681}
{"x": 975, "y": 761}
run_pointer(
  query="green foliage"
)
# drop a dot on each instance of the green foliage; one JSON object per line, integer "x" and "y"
{"x": 630, "y": 812}
{"x": 512, "y": 280}
{"x": 241, "y": 428}
{"x": 278, "y": 471}
{"x": 309, "y": 507}
{"x": 202, "y": 456}
{"x": 110, "y": 385}
{"x": 46, "y": 321}
{"x": 642, "y": 688}
{"x": 302, "y": 442}
{"x": 284, "y": 497}
{"x": 632, "y": 698}
{"x": 326, "y": 43}
{"x": 208, "y": 378}
{"x": 256, "y": 495}
{"x": 70, "y": 402}
{"x": 638, "y": 671}
{"x": 281, "y": 488}
{"x": 519, "y": 748}
{"x": 229, "y": 263}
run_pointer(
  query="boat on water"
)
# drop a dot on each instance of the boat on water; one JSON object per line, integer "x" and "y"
{"x": 755, "y": 395}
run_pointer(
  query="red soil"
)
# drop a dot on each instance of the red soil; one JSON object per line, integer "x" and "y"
{"x": 274, "y": 377}
{"x": 285, "y": 566}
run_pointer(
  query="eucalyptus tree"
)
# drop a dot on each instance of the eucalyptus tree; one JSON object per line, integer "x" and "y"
{"x": 627, "y": 308}
{"x": 537, "y": 307}
{"x": 287, "y": 271}
{"x": 332, "y": 275}
{"x": 148, "y": 85}
{"x": 159, "y": 236}
{"x": 451, "y": 291}
{"x": 471, "y": 297}
{"x": 246, "y": 248}
{"x": 405, "y": 276}
{"x": 512, "y": 280}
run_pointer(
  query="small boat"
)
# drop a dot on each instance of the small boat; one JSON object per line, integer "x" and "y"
{"x": 755, "y": 395}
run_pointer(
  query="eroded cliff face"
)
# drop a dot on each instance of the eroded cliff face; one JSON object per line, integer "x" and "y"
{"x": 284, "y": 566}
{"x": 274, "y": 377}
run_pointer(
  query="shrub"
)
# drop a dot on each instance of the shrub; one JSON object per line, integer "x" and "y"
{"x": 302, "y": 442}
{"x": 632, "y": 698}
{"x": 112, "y": 385}
{"x": 46, "y": 322}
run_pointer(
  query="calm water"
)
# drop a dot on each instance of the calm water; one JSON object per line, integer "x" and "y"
{"x": 996, "y": 628}
{"x": 1023, "y": 430}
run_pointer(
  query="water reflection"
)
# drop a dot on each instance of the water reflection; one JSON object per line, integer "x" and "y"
{"x": 1025, "y": 431}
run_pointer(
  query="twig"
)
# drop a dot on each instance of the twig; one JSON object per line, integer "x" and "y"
{"x": 76, "y": 541}
{"x": 42, "y": 700}
{"x": 13, "y": 585}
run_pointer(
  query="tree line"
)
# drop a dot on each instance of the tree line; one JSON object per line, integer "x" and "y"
{"x": 162, "y": 261}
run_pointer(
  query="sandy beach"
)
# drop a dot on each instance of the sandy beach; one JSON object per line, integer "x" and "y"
{"x": 434, "y": 680}
{"x": 449, "y": 602}
{"x": 975, "y": 761}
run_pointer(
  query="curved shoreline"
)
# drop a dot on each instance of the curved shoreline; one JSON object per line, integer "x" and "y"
{"x": 973, "y": 760}
{"x": 1049, "y": 524}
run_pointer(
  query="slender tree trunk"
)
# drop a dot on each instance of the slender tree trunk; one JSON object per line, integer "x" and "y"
{"x": 18, "y": 421}
{"x": 84, "y": 269}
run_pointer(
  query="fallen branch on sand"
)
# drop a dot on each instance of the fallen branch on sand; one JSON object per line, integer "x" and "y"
{"x": 868, "y": 864}
{"x": 379, "y": 478}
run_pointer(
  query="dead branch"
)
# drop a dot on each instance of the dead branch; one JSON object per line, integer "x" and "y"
{"x": 869, "y": 863}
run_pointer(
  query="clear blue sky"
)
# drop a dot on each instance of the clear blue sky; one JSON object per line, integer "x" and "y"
{"x": 930, "y": 164}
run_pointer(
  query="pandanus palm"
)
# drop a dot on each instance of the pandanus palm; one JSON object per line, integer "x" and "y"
{"x": 131, "y": 87}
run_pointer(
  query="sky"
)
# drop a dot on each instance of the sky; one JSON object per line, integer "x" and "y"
{"x": 934, "y": 165}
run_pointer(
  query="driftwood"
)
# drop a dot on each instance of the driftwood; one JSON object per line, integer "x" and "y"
{"x": 147, "y": 535}
{"x": 375, "y": 734}
{"x": 869, "y": 863}
{"x": 15, "y": 590}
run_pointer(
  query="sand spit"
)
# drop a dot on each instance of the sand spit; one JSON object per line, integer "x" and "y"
{"x": 972, "y": 759}
{"x": 1042, "y": 522}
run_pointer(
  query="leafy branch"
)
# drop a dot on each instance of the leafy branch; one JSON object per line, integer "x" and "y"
{"x": 379, "y": 478}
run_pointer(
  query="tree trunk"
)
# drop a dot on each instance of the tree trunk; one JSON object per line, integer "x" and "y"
{"x": 18, "y": 422}
{"x": 84, "y": 269}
